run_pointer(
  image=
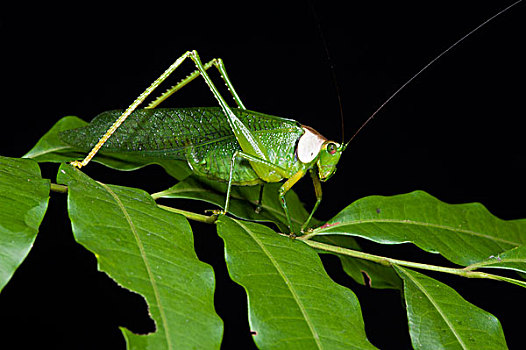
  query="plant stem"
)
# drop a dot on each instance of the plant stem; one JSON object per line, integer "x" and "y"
{"x": 464, "y": 272}
{"x": 388, "y": 262}
{"x": 59, "y": 188}
{"x": 208, "y": 219}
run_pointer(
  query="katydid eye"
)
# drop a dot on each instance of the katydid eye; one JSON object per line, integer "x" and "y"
{"x": 331, "y": 147}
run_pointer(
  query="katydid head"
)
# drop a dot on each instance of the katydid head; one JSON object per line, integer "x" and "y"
{"x": 328, "y": 158}
{"x": 314, "y": 149}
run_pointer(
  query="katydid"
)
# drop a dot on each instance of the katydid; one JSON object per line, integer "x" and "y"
{"x": 235, "y": 145}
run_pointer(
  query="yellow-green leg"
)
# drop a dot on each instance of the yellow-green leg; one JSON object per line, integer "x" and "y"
{"x": 201, "y": 70}
{"x": 270, "y": 167}
{"x": 130, "y": 109}
{"x": 216, "y": 62}
{"x": 317, "y": 190}
{"x": 283, "y": 191}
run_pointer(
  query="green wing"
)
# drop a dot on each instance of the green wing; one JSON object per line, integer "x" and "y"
{"x": 200, "y": 135}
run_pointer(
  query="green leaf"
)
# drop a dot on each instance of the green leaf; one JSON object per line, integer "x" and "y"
{"x": 24, "y": 198}
{"x": 214, "y": 192}
{"x": 463, "y": 233}
{"x": 513, "y": 259}
{"x": 149, "y": 251}
{"x": 439, "y": 318}
{"x": 50, "y": 148}
{"x": 293, "y": 304}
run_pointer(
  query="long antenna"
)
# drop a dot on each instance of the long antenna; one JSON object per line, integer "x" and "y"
{"x": 428, "y": 65}
{"x": 331, "y": 67}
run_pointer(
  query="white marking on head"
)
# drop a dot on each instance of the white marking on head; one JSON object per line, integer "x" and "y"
{"x": 309, "y": 145}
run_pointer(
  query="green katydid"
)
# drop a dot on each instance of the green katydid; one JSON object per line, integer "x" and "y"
{"x": 235, "y": 145}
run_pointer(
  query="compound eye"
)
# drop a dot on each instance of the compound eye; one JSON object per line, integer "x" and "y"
{"x": 331, "y": 147}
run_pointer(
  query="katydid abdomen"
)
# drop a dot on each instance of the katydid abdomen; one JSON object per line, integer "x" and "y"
{"x": 201, "y": 136}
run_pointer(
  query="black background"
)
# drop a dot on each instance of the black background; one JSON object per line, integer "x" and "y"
{"x": 455, "y": 132}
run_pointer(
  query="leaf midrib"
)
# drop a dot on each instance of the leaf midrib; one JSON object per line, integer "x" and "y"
{"x": 145, "y": 260}
{"x": 287, "y": 282}
{"x": 276, "y": 212}
{"x": 45, "y": 151}
{"x": 427, "y": 224}
{"x": 437, "y": 307}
